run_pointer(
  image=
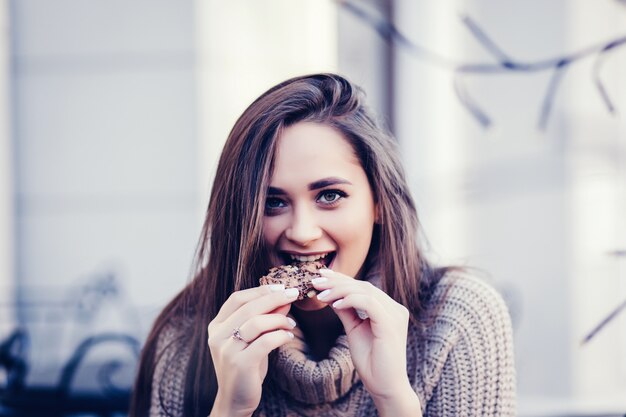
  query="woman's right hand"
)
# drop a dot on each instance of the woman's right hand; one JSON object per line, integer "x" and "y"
{"x": 260, "y": 315}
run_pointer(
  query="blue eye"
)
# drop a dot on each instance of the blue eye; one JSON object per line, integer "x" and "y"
{"x": 273, "y": 204}
{"x": 331, "y": 197}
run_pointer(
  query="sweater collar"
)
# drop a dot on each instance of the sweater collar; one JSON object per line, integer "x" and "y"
{"x": 309, "y": 381}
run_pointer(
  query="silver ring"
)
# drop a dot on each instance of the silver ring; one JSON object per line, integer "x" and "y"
{"x": 237, "y": 335}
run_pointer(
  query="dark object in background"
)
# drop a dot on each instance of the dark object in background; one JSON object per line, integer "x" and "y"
{"x": 12, "y": 360}
{"x": 614, "y": 313}
{"x": 17, "y": 399}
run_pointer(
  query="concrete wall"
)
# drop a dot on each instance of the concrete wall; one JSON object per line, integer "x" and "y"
{"x": 105, "y": 154}
{"x": 536, "y": 209}
{"x": 120, "y": 112}
{"x": 246, "y": 47}
{"x": 7, "y": 278}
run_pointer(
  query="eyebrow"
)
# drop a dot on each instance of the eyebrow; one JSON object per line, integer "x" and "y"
{"x": 316, "y": 185}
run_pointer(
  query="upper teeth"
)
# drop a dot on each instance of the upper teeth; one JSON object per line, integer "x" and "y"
{"x": 308, "y": 258}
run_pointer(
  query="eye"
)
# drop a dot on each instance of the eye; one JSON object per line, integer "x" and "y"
{"x": 273, "y": 204}
{"x": 331, "y": 197}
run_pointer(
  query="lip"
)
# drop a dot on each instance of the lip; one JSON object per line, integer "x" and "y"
{"x": 290, "y": 252}
{"x": 284, "y": 255}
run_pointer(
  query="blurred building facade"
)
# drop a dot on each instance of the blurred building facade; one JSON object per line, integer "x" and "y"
{"x": 104, "y": 182}
{"x": 113, "y": 114}
{"x": 7, "y": 276}
{"x": 538, "y": 207}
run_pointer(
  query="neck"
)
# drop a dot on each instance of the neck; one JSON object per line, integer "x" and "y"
{"x": 320, "y": 328}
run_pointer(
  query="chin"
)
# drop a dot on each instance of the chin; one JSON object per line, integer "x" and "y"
{"x": 309, "y": 304}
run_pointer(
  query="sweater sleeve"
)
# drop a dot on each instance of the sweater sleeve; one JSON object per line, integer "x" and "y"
{"x": 470, "y": 363}
{"x": 169, "y": 374}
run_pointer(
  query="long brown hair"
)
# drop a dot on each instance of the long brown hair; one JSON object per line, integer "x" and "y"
{"x": 230, "y": 254}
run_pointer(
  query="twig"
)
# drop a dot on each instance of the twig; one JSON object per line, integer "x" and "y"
{"x": 604, "y": 322}
{"x": 504, "y": 63}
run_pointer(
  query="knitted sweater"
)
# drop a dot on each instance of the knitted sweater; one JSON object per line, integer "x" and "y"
{"x": 459, "y": 365}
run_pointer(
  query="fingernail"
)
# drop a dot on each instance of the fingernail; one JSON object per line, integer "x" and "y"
{"x": 338, "y": 303}
{"x": 319, "y": 280}
{"x": 290, "y": 335}
{"x": 323, "y": 295}
{"x": 362, "y": 314}
{"x": 324, "y": 271}
{"x": 276, "y": 287}
{"x": 292, "y": 322}
{"x": 291, "y": 292}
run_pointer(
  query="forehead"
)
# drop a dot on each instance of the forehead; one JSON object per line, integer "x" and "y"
{"x": 312, "y": 151}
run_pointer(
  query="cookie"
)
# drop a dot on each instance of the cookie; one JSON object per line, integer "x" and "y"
{"x": 297, "y": 275}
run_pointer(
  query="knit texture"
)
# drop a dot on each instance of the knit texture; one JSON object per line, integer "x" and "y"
{"x": 461, "y": 364}
{"x": 169, "y": 373}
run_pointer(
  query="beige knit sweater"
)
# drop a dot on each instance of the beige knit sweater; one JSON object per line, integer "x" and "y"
{"x": 461, "y": 365}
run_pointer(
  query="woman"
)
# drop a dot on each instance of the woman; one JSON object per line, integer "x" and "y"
{"x": 307, "y": 174}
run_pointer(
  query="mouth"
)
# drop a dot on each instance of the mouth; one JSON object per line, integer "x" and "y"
{"x": 325, "y": 258}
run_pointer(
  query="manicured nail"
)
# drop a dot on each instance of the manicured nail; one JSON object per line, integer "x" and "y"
{"x": 362, "y": 314}
{"x": 319, "y": 280}
{"x": 323, "y": 295}
{"x": 291, "y": 292}
{"x": 338, "y": 303}
{"x": 292, "y": 322}
{"x": 290, "y": 335}
{"x": 276, "y": 287}
{"x": 325, "y": 271}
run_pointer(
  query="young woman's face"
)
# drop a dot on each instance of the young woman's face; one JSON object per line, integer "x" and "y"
{"x": 320, "y": 205}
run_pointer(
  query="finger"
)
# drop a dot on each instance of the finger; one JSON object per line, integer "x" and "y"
{"x": 239, "y": 298}
{"x": 284, "y": 310}
{"x": 262, "y": 346}
{"x": 329, "y": 273}
{"x": 329, "y": 278}
{"x": 363, "y": 303}
{"x": 381, "y": 320}
{"x": 321, "y": 283}
{"x": 352, "y": 317}
{"x": 258, "y": 325}
{"x": 348, "y": 318}
{"x": 340, "y": 289}
{"x": 332, "y": 278}
{"x": 335, "y": 279}
{"x": 260, "y": 306}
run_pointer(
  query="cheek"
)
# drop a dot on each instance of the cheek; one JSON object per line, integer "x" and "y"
{"x": 271, "y": 230}
{"x": 353, "y": 237}
{"x": 353, "y": 230}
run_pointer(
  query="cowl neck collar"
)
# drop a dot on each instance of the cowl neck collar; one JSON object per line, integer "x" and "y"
{"x": 310, "y": 381}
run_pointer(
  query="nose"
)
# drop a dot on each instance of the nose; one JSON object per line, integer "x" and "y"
{"x": 304, "y": 228}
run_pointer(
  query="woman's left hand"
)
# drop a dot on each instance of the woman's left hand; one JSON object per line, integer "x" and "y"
{"x": 376, "y": 327}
